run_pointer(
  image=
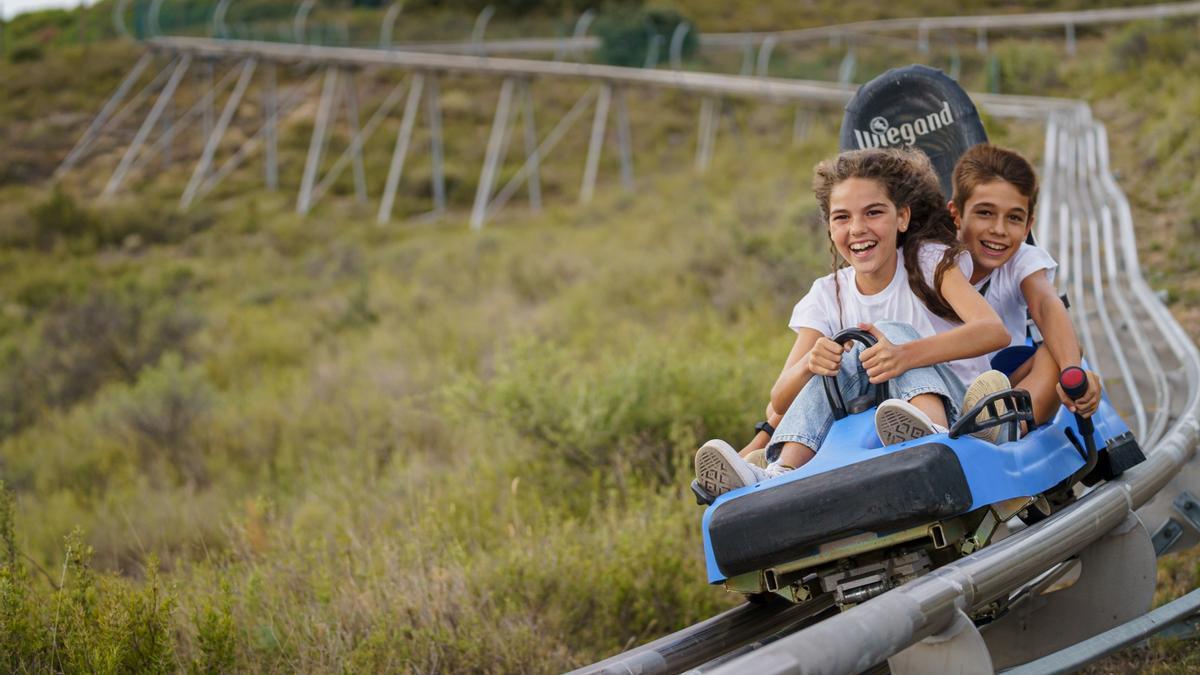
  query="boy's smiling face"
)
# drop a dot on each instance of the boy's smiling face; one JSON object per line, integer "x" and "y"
{"x": 994, "y": 222}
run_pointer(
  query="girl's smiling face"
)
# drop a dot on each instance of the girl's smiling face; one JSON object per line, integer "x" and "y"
{"x": 864, "y": 225}
{"x": 994, "y": 222}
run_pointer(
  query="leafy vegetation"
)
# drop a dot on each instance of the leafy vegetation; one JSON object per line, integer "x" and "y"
{"x": 321, "y": 444}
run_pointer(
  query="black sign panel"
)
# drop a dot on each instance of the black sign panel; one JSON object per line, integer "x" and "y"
{"x": 914, "y": 106}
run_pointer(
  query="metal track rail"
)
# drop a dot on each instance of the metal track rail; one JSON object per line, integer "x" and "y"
{"x": 738, "y": 628}
{"x": 709, "y": 84}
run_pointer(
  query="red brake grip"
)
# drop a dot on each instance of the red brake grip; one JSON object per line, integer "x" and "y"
{"x": 1074, "y": 382}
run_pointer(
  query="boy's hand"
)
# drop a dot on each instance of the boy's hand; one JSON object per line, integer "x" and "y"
{"x": 1087, "y": 404}
{"x": 826, "y": 356}
{"x": 885, "y": 360}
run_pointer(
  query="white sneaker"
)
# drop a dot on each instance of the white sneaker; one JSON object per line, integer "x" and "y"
{"x": 897, "y": 421}
{"x": 988, "y": 383}
{"x": 719, "y": 469}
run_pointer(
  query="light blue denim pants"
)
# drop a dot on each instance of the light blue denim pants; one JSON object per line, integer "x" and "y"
{"x": 809, "y": 417}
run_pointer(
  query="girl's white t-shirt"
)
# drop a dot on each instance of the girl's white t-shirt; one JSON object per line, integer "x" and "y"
{"x": 819, "y": 309}
{"x": 1004, "y": 294}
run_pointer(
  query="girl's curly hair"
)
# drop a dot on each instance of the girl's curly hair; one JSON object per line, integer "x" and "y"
{"x": 910, "y": 181}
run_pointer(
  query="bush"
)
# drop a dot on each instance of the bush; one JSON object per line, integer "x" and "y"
{"x": 60, "y": 218}
{"x": 162, "y": 414}
{"x": 636, "y": 413}
{"x": 1026, "y": 68}
{"x": 109, "y": 335}
{"x": 25, "y": 53}
{"x": 90, "y": 624}
{"x": 1148, "y": 41}
{"x": 625, "y": 39}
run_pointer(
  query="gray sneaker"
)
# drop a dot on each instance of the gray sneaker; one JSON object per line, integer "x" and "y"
{"x": 988, "y": 383}
{"x": 719, "y": 469}
{"x": 897, "y": 421}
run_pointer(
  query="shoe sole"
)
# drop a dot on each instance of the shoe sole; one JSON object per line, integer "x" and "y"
{"x": 896, "y": 425}
{"x": 986, "y": 384}
{"x": 717, "y": 474}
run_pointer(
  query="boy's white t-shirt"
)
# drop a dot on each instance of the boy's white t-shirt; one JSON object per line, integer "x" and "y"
{"x": 1004, "y": 294}
{"x": 819, "y": 310}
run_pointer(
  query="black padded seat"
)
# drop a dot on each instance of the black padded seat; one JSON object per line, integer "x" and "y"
{"x": 787, "y": 522}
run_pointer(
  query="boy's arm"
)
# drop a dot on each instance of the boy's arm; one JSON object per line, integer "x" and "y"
{"x": 982, "y": 332}
{"x": 1050, "y": 316}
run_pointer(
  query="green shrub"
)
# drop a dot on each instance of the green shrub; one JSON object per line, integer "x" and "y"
{"x": 216, "y": 635}
{"x": 162, "y": 414}
{"x": 1026, "y": 68}
{"x": 639, "y": 413}
{"x": 82, "y": 622}
{"x": 626, "y": 38}
{"x": 60, "y": 218}
{"x": 1144, "y": 41}
{"x": 109, "y": 334}
{"x": 25, "y": 53}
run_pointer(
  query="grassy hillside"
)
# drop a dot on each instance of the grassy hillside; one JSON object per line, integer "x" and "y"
{"x": 235, "y": 439}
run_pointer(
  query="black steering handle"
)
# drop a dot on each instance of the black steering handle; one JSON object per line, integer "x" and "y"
{"x": 832, "y": 391}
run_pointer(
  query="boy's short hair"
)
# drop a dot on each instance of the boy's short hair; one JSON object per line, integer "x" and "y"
{"x": 985, "y": 163}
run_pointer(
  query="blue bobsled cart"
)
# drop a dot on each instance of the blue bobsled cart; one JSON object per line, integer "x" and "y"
{"x": 860, "y": 518}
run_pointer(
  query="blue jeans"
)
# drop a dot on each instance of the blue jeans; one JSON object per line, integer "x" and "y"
{"x": 809, "y": 417}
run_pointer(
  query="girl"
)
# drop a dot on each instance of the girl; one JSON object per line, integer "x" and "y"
{"x": 906, "y": 283}
{"x": 995, "y": 192}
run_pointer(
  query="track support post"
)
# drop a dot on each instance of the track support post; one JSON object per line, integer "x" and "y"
{"x": 494, "y": 156}
{"x": 532, "y": 157}
{"x": 959, "y": 650}
{"x": 114, "y": 183}
{"x": 400, "y": 151}
{"x": 271, "y": 125}
{"x": 624, "y": 141}
{"x": 218, "y": 132}
{"x": 710, "y": 119}
{"x": 1115, "y": 584}
{"x": 599, "y": 125}
{"x": 316, "y": 146}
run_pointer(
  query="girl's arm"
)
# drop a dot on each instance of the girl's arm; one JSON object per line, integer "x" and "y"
{"x": 812, "y": 354}
{"x": 1050, "y": 316}
{"x": 982, "y": 332}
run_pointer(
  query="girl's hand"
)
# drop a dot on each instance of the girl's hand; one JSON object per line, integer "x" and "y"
{"x": 826, "y": 356}
{"x": 885, "y": 360}
{"x": 1087, "y": 404}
